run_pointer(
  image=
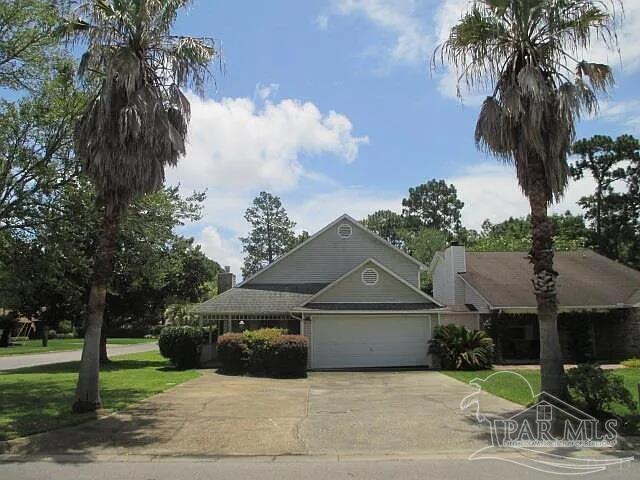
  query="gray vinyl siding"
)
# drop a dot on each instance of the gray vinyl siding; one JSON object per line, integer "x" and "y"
{"x": 472, "y": 297}
{"x": 352, "y": 289}
{"x": 443, "y": 290}
{"x": 328, "y": 256}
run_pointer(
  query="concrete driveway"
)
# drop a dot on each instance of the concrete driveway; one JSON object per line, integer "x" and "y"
{"x": 344, "y": 413}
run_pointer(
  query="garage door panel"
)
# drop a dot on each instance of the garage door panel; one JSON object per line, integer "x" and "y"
{"x": 369, "y": 341}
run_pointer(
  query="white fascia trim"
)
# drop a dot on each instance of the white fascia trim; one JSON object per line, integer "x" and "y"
{"x": 381, "y": 267}
{"x": 342, "y": 217}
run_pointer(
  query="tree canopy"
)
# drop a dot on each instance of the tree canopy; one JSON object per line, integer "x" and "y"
{"x": 613, "y": 210}
{"x": 433, "y": 205}
{"x": 271, "y": 235}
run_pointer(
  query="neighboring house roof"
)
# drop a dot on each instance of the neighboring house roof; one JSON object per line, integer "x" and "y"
{"x": 317, "y": 234}
{"x": 585, "y": 279}
{"x": 253, "y": 300}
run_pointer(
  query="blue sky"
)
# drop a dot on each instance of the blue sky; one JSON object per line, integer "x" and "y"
{"x": 332, "y": 105}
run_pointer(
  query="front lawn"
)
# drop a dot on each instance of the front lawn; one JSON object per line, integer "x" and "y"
{"x": 62, "y": 344}
{"x": 516, "y": 390}
{"x": 39, "y": 398}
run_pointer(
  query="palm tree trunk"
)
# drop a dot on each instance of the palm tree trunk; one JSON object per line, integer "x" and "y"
{"x": 552, "y": 375}
{"x": 87, "y": 390}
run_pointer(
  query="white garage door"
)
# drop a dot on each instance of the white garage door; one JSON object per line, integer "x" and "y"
{"x": 345, "y": 341}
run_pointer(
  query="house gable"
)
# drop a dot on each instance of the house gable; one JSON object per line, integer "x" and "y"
{"x": 336, "y": 249}
{"x": 371, "y": 282}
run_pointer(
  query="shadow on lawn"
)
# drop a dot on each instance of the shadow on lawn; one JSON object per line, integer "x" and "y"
{"x": 44, "y": 405}
{"x": 118, "y": 433}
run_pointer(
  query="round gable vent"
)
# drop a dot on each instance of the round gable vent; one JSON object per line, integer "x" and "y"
{"x": 345, "y": 230}
{"x": 369, "y": 276}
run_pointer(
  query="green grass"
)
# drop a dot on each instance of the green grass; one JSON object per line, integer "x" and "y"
{"x": 504, "y": 385}
{"x": 516, "y": 390}
{"x": 62, "y": 344}
{"x": 39, "y": 398}
{"x": 632, "y": 363}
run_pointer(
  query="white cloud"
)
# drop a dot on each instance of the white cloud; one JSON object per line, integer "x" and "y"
{"x": 237, "y": 148}
{"x": 412, "y": 43}
{"x": 625, "y": 112}
{"x": 417, "y": 35}
{"x": 318, "y": 210}
{"x": 234, "y": 144}
{"x": 265, "y": 91}
{"x": 215, "y": 246}
{"x": 322, "y": 22}
{"x": 491, "y": 191}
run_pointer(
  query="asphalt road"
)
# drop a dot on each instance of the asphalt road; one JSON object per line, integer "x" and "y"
{"x": 290, "y": 468}
{"x": 21, "y": 361}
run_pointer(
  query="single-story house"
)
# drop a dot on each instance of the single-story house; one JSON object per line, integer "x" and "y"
{"x": 355, "y": 296}
{"x": 598, "y": 301}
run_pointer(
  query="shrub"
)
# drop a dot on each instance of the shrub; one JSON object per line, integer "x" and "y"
{"x": 461, "y": 349}
{"x": 181, "y": 345}
{"x": 51, "y": 334}
{"x": 289, "y": 356}
{"x": 632, "y": 363}
{"x": 65, "y": 326}
{"x": 259, "y": 342}
{"x": 596, "y": 391}
{"x": 233, "y": 352}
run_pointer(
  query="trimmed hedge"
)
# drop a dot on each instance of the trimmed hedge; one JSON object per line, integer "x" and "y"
{"x": 181, "y": 345}
{"x": 264, "y": 352}
{"x": 233, "y": 352}
{"x": 289, "y": 356}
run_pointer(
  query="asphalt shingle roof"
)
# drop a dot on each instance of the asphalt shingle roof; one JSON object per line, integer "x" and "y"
{"x": 585, "y": 279}
{"x": 254, "y": 300}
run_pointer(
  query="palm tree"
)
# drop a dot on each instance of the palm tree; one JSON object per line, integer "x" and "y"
{"x": 133, "y": 127}
{"x": 528, "y": 51}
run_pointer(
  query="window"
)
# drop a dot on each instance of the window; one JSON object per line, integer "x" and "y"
{"x": 369, "y": 276}
{"x": 345, "y": 230}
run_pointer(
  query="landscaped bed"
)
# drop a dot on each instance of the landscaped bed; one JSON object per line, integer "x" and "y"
{"x": 39, "y": 398}
{"x": 63, "y": 344}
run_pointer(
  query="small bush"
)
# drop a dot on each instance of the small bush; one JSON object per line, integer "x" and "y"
{"x": 461, "y": 349}
{"x": 632, "y": 363}
{"x": 259, "y": 342}
{"x": 289, "y": 356}
{"x": 596, "y": 391}
{"x": 233, "y": 352}
{"x": 264, "y": 351}
{"x": 65, "y": 326}
{"x": 181, "y": 345}
{"x": 52, "y": 334}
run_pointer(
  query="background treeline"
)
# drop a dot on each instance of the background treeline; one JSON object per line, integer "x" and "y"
{"x": 49, "y": 222}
